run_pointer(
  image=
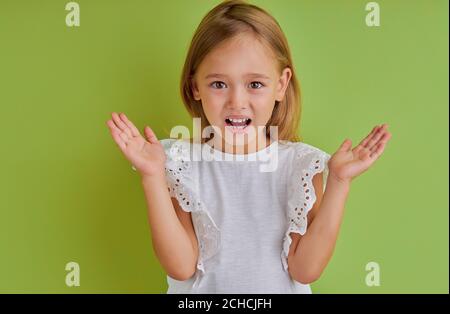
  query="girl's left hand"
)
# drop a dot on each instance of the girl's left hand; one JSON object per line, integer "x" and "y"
{"x": 348, "y": 163}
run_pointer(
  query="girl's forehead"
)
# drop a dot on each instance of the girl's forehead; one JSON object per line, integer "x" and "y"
{"x": 243, "y": 54}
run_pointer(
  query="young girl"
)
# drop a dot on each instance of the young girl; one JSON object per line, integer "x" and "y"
{"x": 220, "y": 224}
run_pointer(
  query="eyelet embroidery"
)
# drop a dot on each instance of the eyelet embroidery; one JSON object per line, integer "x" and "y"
{"x": 181, "y": 186}
{"x": 307, "y": 162}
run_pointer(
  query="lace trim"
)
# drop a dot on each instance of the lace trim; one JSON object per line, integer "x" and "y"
{"x": 182, "y": 187}
{"x": 308, "y": 161}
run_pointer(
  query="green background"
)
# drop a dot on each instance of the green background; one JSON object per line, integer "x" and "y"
{"x": 67, "y": 193}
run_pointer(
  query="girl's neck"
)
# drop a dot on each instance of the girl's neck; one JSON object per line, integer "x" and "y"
{"x": 248, "y": 148}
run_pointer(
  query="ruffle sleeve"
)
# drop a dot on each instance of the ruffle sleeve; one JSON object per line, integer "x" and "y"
{"x": 182, "y": 187}
{"x": 307, "y": 162}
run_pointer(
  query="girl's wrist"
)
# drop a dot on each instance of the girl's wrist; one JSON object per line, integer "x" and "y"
{"x": 157, "y": 177}
{"x": 335, "y": 180}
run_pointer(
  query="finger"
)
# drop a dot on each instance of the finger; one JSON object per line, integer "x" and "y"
{"x": 120, "y": 124}
{"x": 115, "y": 134}
{"x": 364, "y": 142}
{"x": 373, "y": 141}
{"x": 345, "y": 146}
{"x": 120, "y": 134}
{"x": 112, "y": 126}
{"x": 124, "y": 137}
{"x": 131, "y": 126}
{"x": 378, "y": 151}
{"x": 368, "y": 137}
{"x": 150, "y": 135}
{"x": 122, "y": 145}
{"x": 384, "y": 139}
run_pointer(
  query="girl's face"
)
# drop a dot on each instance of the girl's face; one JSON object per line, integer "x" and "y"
{"x": 238, "y": 83}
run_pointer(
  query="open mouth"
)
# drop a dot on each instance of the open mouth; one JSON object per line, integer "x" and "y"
{"x": 238, "y": 124}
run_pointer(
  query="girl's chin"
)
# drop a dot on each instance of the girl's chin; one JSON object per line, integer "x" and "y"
{"x": 238, "y": 129}
{"x": 240, "y": 136}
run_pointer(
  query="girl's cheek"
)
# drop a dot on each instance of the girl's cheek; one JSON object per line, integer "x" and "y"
{"x": 213, "y": 108}
{"x": 217, "y": 96}
{"x": 216, "y": 101}
{"x": 262, "y": 100}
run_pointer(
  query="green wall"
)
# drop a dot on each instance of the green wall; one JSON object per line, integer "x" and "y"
{"x": 67, "y": 194}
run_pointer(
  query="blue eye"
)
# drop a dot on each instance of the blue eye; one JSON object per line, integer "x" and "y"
{"x": 217, "y": 84}
{"x": 255, "y": 85}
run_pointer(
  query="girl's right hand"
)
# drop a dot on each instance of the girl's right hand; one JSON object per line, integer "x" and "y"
{"x": 147, "y": 156}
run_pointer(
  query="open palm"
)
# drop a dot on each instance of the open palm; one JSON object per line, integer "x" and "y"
{"x": 146, "y": 155}
{"x": 348, "y": 163}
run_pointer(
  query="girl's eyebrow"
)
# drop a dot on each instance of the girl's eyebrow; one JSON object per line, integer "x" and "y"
{"x": 256, "y": 75}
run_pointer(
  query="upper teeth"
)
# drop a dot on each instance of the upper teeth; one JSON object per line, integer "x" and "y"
{"x": 237, "y": 120}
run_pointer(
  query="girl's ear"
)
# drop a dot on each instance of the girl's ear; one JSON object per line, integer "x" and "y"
{"x": 283, "y": 83}
{"x": 195, "y": 91}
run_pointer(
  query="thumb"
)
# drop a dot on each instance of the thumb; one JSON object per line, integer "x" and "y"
{"x": 345, "y": 146}
{"x": 150, "y": 135}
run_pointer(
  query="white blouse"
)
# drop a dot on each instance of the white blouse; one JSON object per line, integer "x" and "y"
{"x": 243, "y": 209}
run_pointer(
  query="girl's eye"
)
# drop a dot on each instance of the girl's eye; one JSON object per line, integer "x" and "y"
{"x": 256, "y": 85}
{"x": 218, "y": 84}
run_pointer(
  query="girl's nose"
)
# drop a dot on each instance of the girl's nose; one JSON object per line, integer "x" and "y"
{"x": 237, "y": 99}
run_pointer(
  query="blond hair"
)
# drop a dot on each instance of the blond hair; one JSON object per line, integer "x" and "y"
{"x": 225, "y": 21}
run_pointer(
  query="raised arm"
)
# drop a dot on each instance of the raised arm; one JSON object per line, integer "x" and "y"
{"x": 312, "y": 251}
{"x": 172, "y": 234}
